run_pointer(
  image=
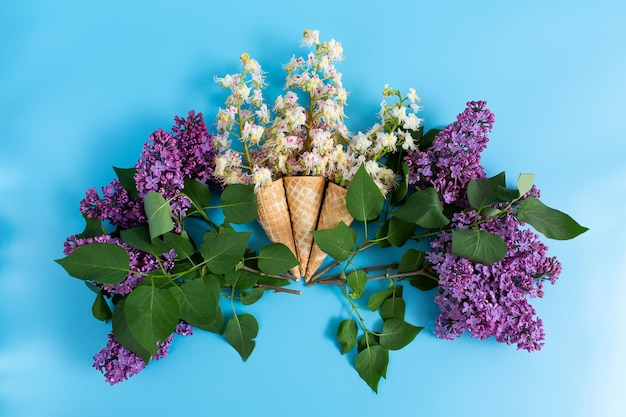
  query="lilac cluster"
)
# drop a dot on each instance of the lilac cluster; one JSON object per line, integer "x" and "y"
{"x": 492, "y": 300}
{"x": 115, "y": 206}
{"x": 196, "y": 146}
{"x": 454, "y": 157}
{"x": 117, "y": 363}
{"x": 140, "y": 262}
{"x": 166, "y": 160}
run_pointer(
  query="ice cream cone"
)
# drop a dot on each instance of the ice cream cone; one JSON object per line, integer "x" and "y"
{"x": 304, "y": 197}
{"x": 333, "y": 211}
{"x": 273, "y": 216}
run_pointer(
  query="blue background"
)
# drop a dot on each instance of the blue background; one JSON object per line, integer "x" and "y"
{"x": 83, "y": 84}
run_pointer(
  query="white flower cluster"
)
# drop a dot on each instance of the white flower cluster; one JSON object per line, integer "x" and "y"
{"x": 309, "y": 139}
{"x": 245, "y": 117}
{"x": 398, "y": 122}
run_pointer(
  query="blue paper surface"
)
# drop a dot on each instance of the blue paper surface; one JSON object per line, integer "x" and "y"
{"x": 83, "y": 84}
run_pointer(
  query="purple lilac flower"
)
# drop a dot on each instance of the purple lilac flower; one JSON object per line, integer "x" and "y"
{"x": 115, "y": 206}
{"x": 196, "y": 145}
{"x": 454, "y": 157}
{"x": 492, "y": 300}
{"x": 117, "y": 363}
{"x": 168, "y": 158}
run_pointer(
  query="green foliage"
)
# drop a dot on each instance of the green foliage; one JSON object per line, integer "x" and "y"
{"x": 424, "y": 209}
{"x": 126, "y": 177}
{"x": 525, "y": 183}
{"x": 346, "y": 335}
{"x": 552, "y": 223}
{"x": 399, "y": 232}
{"x": 105, "y": 263}
{"x": 276, "y": 259}
{"x": 478, "y": 246}
{"x": 197, "y": 192}
{"x": 198, "y": 303}
{"x": 338, "y": 243}
{"x": 364, "y": 199}
{"x": 251, "y": 296}
{"x": 223, "y": 251}
{"x": 484, "y": 191}
{"x": 159, "y": 213}
{"x": 240, "y": 332}
{"x": 240, "y": 279}
{"x": 93, "y": 227}
{"x": 101, "y": 309}
{"x": 377, "y": 299}
{"x": 393, "y": 308}
{"x": 124, "y": 336}
{"x": 239, "y": 203}
{"x": 356, "y": 282}
{"x": 397, "y": 333}
{"x": 152, "y": 314}
{"x": 371, "y": 364}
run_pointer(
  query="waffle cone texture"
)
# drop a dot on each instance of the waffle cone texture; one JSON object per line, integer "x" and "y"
{"x": 291, "y": 207}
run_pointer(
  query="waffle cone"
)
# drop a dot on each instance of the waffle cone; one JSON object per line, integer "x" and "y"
{"x": 273, "y": 216}
{"x": 333, "y": 211}
{"x": 304, "y": 196}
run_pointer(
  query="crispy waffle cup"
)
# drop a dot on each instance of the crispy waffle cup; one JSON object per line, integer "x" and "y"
{"x": 304, "y": 197}
{"x": 273, "y": 216}
{"x": 333, "y": 211}
{"x": 291, "y": 207}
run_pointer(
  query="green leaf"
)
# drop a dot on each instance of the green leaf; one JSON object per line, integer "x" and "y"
{"x": 239, "y": 203}
{"x": 346, "y": 335}
{"x": 397, "y": 334}
{"x": 413, "y": 260}
{"x": 357, "y": 281}
{"x": 127, "y": 180}
{"x": 139, "y": 238}
{"x": 371, "y": 364}
{"x": 478, "y": 246}
{"x": 338, "y": 243}
{"x": 399, "y": 231}
{"x": 393, "y": 308}
{"x": 424, "y": 209}
{"x": 427, "y": 139}
{"x": 152, "y": 315}
{"x": 507, "y": 194}
{"x": 364, "y": 199}
{"x": 181, "y": 244}
{"x": 240, "y": 333}
{"x": 276, "y": 259}
{"x": 376, "y": 299}
{"x": 198, "y": 303}
{"x": 483, "y": 192}
{"x": 525, "y": 183}
{"x": 382, "y": 235}
{"x": 159, "y": 213}
{"x": 241, "y": 279}
{"x": 101, "y": 309}
{"x": 197, "y": 192}
{"x": 366, "y": 340}
{"x": 223, "y": 251}
{"x": 106, "y": 263}
{"x": 93, "y": 227}
{"x": 218, "y": 326}
{"x": 124, "y": 336}
{"x": 552, "y": 223}
{"x": 399, "y": 194}
{"x": 252, "y": 296}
